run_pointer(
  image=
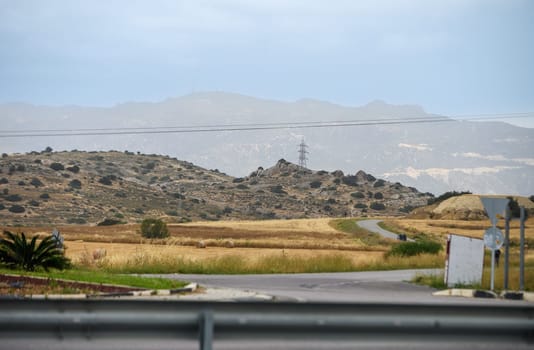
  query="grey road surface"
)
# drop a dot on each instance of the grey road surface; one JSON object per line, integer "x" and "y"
{"x": 368, "y": 286}
{"x": 372, "y": 225}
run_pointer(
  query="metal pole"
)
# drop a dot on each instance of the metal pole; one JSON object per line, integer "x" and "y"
{"x": 206, "y": 330}
{"x": 522, "y": 249}
{"x": 506, "y": 247}
{"x": 492, "y": 269}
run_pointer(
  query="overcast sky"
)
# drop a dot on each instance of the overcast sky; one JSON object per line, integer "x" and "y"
{"x": 451, "y": 57}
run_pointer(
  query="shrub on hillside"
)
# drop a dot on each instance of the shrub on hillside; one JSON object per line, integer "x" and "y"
{"x": 44, "y": 196}
{"x": 377, "y": 206}
{"x": 110, "y": 222}
{"x": 57, "y": 166}
{"x": 350, "y": 180}
{"x": 106, "y": 180}
{"x": 357, "y": 195}
{"x": 4, "y": 181}
{"x": 17, "y": 209}
{"x": 154, "y": 228}
{"x": 378, "y": 195}
{"x": 74, "y": 169}
{"x": 379, "y": 183}
{"x": 315, "y": 184}
{"x": 13, "y": 198}
{"x": 278, "y": 189}
{"x": 77, "y": 184}
{"x": 36, "y": 182}
{"x": 415, "y": 248}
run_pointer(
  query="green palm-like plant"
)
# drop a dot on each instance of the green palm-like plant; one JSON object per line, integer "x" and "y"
{"x": 17, "y": 252}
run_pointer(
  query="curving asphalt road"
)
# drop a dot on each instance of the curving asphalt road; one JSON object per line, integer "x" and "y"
{"x": 372, "y": 225}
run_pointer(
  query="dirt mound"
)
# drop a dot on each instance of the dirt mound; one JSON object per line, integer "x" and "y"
{"x": 465, "y": 207}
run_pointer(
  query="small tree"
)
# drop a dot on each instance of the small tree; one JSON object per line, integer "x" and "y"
{"x": 154, "y": 228}
{"x": 17, "y": 252}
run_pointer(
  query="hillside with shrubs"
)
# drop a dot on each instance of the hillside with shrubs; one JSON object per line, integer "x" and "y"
{"x": 44, "y": 188}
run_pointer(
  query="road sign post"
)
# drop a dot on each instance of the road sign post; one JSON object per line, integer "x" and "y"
{"x": 493, "y": 237}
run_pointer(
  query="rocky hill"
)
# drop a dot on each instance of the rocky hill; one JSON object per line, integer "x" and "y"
{"x": 43, "y": 188}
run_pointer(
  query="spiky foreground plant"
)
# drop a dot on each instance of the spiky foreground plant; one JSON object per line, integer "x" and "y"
{"x": 17, "y": 252}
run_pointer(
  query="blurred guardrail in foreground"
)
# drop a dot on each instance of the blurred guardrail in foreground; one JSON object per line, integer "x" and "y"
{"x": 147, "y": 324}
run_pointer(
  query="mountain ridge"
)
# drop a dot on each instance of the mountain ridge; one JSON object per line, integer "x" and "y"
{"x": 57, "y": 188}
{"x": 504, "y": 164}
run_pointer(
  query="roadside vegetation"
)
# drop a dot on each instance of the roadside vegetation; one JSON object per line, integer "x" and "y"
{"x": 79, "y": 274}
{"x": 18, "y": 252}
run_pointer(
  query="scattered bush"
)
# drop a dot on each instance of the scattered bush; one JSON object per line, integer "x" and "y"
{"x": 77, "y": 221}
{"x": 17, "y": 252}
{"x": 17, "y": 209}
{"x": 21, "y": 183}
{"x": 172, "y": 213}
{"x": 242, "y": 187}
{"x": 377, "y": 206}
{"x": 378, "y": 195}
{"x": 44, "y": 196}
{"x": 350, "y": 180}
{"x": 371, "y": 178}
{"x": 4, "y": 181}
{"x": 315, "y": 184}
{"x": 74, "y": 169}
{"x": 13, "y": 198}
{"x": 4, "y": 155}
{"x": 2, "y": 207}
{"x": 415, "y": 248}
{"x": 57, "y": 166}
{"x": 357, "y": 195}
{"x": 154, "y": 228}
{"x": 379, "y": 183}
{"x": 36, "y": 182}
{"x": 110, "y": 222}
{"x": 238, "y": 180}
{"x": 106, "y": 180}
{"x": 278, "y": 189}
{"x": 21, "y": 168}
{"x": 360, "y": 206}
{"x": 77, "y": 184}
{"x": 33, "y": 203}
{"x": 407, "y": 209}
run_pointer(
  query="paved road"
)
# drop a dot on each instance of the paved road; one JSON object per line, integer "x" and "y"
{"x": 369, "y": 286}
{"x": 372, "y": 225}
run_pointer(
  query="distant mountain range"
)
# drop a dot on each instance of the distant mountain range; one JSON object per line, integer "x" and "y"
{"x": 481, "y": 157}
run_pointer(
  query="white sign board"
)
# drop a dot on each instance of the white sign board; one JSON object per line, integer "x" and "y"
{"x": 465, "y": 260}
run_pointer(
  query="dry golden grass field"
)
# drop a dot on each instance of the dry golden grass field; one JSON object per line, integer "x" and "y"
{"x": 308, "y": 245}
{"x": 466, "y": 228}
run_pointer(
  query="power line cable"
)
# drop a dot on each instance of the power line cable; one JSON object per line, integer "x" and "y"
{"x": 251, "y": 126}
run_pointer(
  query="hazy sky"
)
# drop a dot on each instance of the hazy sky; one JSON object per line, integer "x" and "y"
{"x": 451, "y": 57}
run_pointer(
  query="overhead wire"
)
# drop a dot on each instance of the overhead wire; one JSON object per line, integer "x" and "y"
{"x": 254, "y": 126}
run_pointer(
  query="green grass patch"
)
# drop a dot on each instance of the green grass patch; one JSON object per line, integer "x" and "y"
{"x": 351, "y": 227}
{"x": 432, "y": 280}
{"x": 415, "y": 248}
{"x": 96, "y": 276}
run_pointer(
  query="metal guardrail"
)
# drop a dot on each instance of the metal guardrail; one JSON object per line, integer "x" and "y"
{"x": 147, "y": 324}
